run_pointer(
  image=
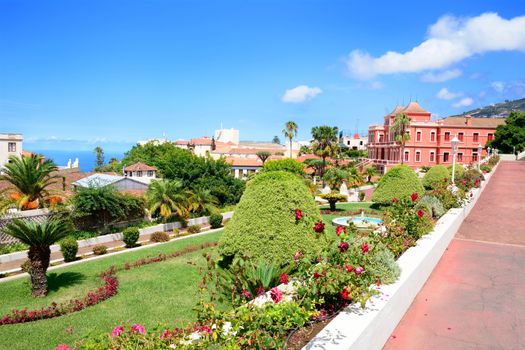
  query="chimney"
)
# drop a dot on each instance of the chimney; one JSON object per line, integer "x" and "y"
{"x": 468, "y": 120}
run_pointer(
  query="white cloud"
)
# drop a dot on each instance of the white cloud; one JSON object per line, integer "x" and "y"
{"x": 445, "y": 94}
{"x": 440, "y": 77}
{"x": 300, "y": 94}
{"x": 464, "y": 102}
{"x": 449, "y": 41}
{"x": 499, "y": 86}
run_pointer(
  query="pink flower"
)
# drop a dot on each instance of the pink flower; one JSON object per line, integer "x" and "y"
{"x": 420, "y": 213}
{"x": 298, "y": 214}
{"x": 166, "y": 334}
{"x": 364, "y": 247}
{"x": 394, "y": 200}
{"x": 138, "y": 328}
{"x": 276, "y": 295}
{"x": 344, "y": 294}
{"x": 414, "y": 196}
{"x": 260, "y": 291}
{"x": 343, "y": 247}
{"x": 63, "y": 347}
{"x": 349, "y": 268}
{"x": 284, "y": 278}
{"x": 359, "y": 270}
{"x": 246, "y": 294}
{"x": 116, "y": 331}
{"x": 297, "y": 256}
{"x": 339, "y": 230}
{"x": 205, "y": 329}
{"x": 319, "y": 227}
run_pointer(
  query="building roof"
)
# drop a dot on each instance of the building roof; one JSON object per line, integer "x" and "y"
{"x": 26, "y": 153}
{"x": 414, "y": 107}
{"x": 239, "y": 150}
{"x": 97, "y": 180}
{"x": 397, "y": 110}
{"x": 139, "y": 167}
{"x": 474, "y": 122}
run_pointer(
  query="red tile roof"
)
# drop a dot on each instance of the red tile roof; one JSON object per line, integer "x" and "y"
{"x": 474, "y": 122}
{"x": 139, "y": 167}
{"x": 414, "y": 107}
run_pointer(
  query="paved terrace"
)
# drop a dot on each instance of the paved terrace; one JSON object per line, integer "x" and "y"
{"x": 475, "y": 297}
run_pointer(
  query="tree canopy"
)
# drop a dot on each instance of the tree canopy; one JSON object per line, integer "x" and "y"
{"x": 511, "y": 134}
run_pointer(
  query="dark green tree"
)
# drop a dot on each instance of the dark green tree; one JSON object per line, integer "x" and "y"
{"x": 511, "y": 134}
{"x": 276, "y": 140}
{"x": 99, "y": 153}
{"x": 263, "y": 156}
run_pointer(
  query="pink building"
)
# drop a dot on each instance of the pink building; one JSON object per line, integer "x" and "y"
{"x": 429, "y": 140}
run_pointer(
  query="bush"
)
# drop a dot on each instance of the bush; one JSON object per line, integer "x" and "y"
{"x": 286, "y": 164}
{"x": 432, "y": 205}
{"x": 131, "y": 236}
{"x": 362, "y": 196}
{"x": 69, "y": 249}
{"x": 487, "y": 168}
{"x": 159, "y": 237}
{"x": 459, "y": 171}
{"x": 436, "y": 177}
{"x": 264, "y": 226}
{"x": 333, "y": 198}
{"x": 100, "y": 250}
{"x": 194, "y": 229}
{"x": 470, "y": 178}
{"x": 226, "y": 222}
{"x": 176, "y": 231}
{"x": 215, "y": 220}
{"x": 399, "y": 182}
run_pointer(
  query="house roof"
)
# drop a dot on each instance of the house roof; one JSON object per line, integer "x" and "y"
{"x": 397, "y": 110}
{"x": 139, "y": 167}
{"x": 414, "y": 107}
{"x": 97, "y": 180}
{"x": 474, "y": 122}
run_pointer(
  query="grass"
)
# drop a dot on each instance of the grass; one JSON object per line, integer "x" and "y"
{"x": 163, "y": 292}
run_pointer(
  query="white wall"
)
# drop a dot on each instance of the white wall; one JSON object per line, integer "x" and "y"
{"x": 5, "y": 139}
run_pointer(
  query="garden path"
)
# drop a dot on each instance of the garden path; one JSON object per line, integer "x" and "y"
{"x": 475, "y": 297}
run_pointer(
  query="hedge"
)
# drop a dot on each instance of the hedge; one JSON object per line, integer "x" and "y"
{"x": 435, "y": 177}
{"x": 264, "y": 225}
{"x": 285, "y": 164}
{"x": 399, "y": 182}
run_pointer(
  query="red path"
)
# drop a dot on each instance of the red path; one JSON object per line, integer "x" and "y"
{"x": 475, "y": 297}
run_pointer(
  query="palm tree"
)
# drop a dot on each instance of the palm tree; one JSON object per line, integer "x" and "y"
{"x": 369, "y": 172}
{"x": 203, "y": 201}
{"x": 325, "y": 143}
{"x": 290, "y": 131}
{"x": 39, "y": 236}
{"x": 400, "y": 128}
{"x": 30, "y": 177}
{"x": 263, "y": 155}
{"x": 168, "y": 198}
{"x": 99, "y": 153}
{"x": 355, "y": 179}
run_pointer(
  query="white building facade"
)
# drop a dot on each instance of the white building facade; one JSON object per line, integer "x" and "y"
{"x": 10, "y": 145}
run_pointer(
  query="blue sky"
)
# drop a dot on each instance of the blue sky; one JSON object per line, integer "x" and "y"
{"x": 74, "y": 74}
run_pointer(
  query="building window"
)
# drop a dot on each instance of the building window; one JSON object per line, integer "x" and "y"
{"x": 432, "y": 156}
{"x": 447, "y": 136}
{"x": 418, "y": 136}
{"x": 475, "y": 137}
{"x": 418, "y": 156}
{"x": 139, "y": 173}
{"x": 381, "y": 138}
{"x": 490, "y": 137}
{"x": 348, "y": 142}
{"x": 150, "y": 173}
{"x": 407, "y": 157}
{"x": 360, "y": 143}
{"x": 11, "y": 147}
{"x": 433, "y": 136}
{"x": 475, "y": 157}
{"x": 460, "y": 157}
{"x": 445, "y": 157}
{"x": 460, "y": 136}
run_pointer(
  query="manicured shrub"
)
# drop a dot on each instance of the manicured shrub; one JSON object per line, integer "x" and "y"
{"x": 399, "y": 182}
{"x": 226, "y": 222}
{"x": 69, "y": 249}
{"x": 159, "y": 237}
{"x": 215, "y": 220}
{"x": 100, "y": 249}
{"x": 436, "y": 177}
{"x": 285, "y": 164}
{"x": 333, "y": 198}
{"x": 131, "y": 236}
{"x": 362, "y": 196}
{"x": 264, "y": 226}
{"x": 194, "y": 229}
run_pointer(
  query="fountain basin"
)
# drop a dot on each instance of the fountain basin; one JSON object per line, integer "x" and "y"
{"x": 359, "y": 221}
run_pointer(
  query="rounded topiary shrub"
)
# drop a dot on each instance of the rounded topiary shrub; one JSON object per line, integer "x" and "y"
{"x": 436, "y": 177}
{"x": 264, "y": 226}
{"x": 194, "y": 229}
{"x": 69, "y": 249}
{"x": 399, "y": 182}
{"x": 159, "y": 236}
{"x": 100, "y": 249}
{"x": 215, "y": 220}
{"x": 131, "y": 236}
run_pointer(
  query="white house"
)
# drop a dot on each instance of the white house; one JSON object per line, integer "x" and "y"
{"x": 355, "y": 142}
{"x": 141, "y": 172}
{"x": 10, "y": 145}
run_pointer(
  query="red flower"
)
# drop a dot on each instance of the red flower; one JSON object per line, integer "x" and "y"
{"x": 138, "y": 328}
{"x": 344, "y": 293}
{"x": 364, "y": 247}
{"x": 319, "y": 227}
{"x": 62, "y": 347}
{"x": 284, "y": 278}
{"x": 414, "y": 196}
{"x": 260, "y": 291}
{"x": 205, "y": 329}
{"x": 394, "y": 200}
{"x": 343, "y": 247}
{"x": 316, "y": 274}
{"x": 298, "y": 214}
{"x": 276, "y": 295}
{"x": 167, "y": 334}
{"x": 246, "y": 294}
{"x": 349, "y": 268}
{"x": 339, "y": 230}
{"x": 420, "y": 213}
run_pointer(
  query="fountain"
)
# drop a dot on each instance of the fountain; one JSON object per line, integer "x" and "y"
{"x": 360, "y": 221}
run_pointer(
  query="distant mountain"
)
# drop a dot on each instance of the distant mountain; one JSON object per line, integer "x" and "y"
{"x": 502, "y": 109}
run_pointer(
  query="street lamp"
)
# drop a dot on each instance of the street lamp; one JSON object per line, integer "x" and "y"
{"x": 454, "y": 143}
{"x": 480, "y": 149}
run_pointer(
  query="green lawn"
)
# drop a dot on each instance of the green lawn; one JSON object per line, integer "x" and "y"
{"x": 163, "y": 292}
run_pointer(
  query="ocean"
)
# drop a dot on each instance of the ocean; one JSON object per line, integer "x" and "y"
{"x": 86, "y": 159}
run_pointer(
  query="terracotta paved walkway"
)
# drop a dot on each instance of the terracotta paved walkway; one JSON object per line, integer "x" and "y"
{"x": 475, "y": 298}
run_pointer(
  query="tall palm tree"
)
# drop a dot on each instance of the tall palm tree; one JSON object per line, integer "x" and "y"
{"x": 400, "y": 128}
{"x": 290, "y": 131}
{"x": 169, "y": 198}
{"x": 325, "y": 143}
{"x": 203, "y": 201}
{"x": 39, "y": 236}
{"x": 31, "y": 178}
